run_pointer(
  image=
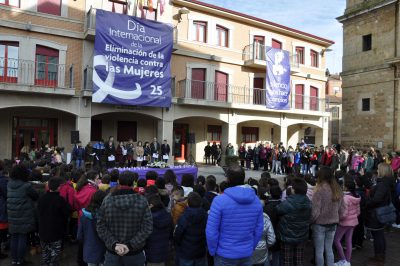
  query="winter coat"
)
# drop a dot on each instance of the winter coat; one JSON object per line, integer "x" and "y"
{"x": 208, "y": 199}
{"x": 157, "y": 245}
{"x": 189, "y": 234}
{"x": 78, "y": 153}
{"x": 3, "y": 198}
{"x": 260, "y": 254}
{"x": 68, "y": 192}
{"x": 379, "y": 196}
{"x": 53, "y": 212}
{"x": 325, "y": 211}
{"x": 352, "y": 210}
{"x": 93, "y": 247}
{"x": 84, "y": 195}
{"x": 124, "y": 217}
{"x": 164, "y": 196}
{"x": 177, "y": 210}
{"x": 294, "y": 222}
{"x": 237, "y": 209}
{"x": 242, "y": 153}
{"x": 20, "y": 206}
{"x": 165, "y": 149}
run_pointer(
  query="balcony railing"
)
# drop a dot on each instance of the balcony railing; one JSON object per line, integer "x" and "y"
{"x": 31, "y": 73}
{"x": 90, "y": 25}
{"x": 228, "y": 93}
{"x": 256, "y": 51}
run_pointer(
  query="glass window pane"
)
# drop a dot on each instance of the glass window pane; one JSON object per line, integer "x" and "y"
{"x": 2, "y": 50}
{"x": 223, "y": 38}
{"x": 13, "y": 2}
{"x": 201, "y": 33}
{"x": 12, "y": 52}
{"x": 2, "y": 1}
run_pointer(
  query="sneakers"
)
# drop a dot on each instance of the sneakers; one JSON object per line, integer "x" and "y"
{"x": 342, "y": 263}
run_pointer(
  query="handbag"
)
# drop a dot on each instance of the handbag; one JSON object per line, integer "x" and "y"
{"x": 386, "y": 214}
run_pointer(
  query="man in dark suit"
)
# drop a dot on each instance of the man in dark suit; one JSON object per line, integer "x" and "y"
{"x": 165, "y": 150}
{"x": 155, "y": 150}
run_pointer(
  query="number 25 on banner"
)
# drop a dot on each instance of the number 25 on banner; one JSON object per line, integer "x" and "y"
{"x": 156, "y": 90}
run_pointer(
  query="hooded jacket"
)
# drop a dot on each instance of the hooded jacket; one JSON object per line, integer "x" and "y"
{"x": 93, "y": 247}
{"x": 157, "y": 245}
{"x": 352, "y": 210}
{"x": 235, "y": 223}
{"x": 379, "y": 196}
{"x": 294, "y": 222}
{"x": 20, "y": 206}
{"x": 189, "y": 235}
{"x": 260, "y": 255}
{"x": 125, "y": 218}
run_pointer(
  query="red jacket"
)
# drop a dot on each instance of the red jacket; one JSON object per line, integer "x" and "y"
{"x": 327, "y": 158}
{"x": 68, "y": 192}
{"x": 84, "y": 196}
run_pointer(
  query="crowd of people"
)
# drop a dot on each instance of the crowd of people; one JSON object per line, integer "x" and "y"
{"x": 117, "y": 218}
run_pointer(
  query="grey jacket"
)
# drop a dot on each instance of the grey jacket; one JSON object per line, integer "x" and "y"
{"x": 260, "y": 254}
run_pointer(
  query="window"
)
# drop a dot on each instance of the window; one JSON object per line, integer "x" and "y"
{"x": 335, "y": 112}
{"x": 52, "y": 7}
{"x": 367, "y": 42}
{"x": 221, "y": 86}
{"x": 366, "y": 102}
{"x": 119, "y": 6}
{"x": 276, "y": 44}
{"x": 258, "y": 47}
{"x": 222, "y": 36}
{"x": 214, "y": 133}
{"x": 300, "y": 55}
{"x": 314, "y": 58}
{"x": 200, "y": 31}
{"x": 9, "y": 62}
{"x": 14, "y": 3}
{"x": 198, "y": 83}
{"x": 299, "y": 96}
{"x": 96, "y": 130}
{"x": 126, "y": 130}
{"x": 46, "y": 66}
{"x": 313, "y": 98}
{"x": 249, "y": 134}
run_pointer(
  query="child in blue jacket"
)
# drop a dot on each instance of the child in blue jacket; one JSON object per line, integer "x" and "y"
{"x": 93, "y": 247}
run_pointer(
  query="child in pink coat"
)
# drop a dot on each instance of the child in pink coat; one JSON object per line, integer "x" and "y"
{"x": 347, "y": 222}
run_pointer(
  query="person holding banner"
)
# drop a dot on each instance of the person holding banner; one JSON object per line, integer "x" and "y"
{"x": 139, "y": 154}
{"x": 165, "y": 150}
{"x": 155, "y": 150}
{"x": 147, "y": 153}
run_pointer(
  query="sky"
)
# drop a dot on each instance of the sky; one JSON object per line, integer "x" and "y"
{"x": 317, "y": 17}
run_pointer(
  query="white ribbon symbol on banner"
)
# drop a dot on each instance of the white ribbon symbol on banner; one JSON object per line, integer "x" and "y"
{"x": 106, "y": 87}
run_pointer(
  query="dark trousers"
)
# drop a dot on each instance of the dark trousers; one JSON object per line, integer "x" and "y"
{"x": 379, "y": 242}
{"x": 208, "y": 159}
{"x": 358, "y": 234}
{"x": 18, "y": 247}
{"x": 51, "y": 253}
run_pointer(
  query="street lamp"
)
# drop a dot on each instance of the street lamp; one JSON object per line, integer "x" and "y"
{"x": 182, "y": 11}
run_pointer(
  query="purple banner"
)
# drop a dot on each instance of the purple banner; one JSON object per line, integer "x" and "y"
{"x": 131, "y": 63}
{"x": 278, "y": 79}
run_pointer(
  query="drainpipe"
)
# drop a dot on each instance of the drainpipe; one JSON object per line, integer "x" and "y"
{"x": 396, "y": 79}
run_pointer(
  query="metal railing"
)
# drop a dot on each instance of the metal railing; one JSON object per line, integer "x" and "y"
{"x": 90, "y": 23}
{"x": 256, "y": 51}
{"x": 216, "y": 92}
{"x": 33, "y": 73}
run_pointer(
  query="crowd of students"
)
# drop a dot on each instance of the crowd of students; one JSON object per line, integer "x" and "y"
{"x": 119, "y": 219}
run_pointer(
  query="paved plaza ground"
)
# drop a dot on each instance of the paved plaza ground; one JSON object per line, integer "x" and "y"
{"x": 360, "y": 257}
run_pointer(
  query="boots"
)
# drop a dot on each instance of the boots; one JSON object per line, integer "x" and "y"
{"x": 378, "y": 260}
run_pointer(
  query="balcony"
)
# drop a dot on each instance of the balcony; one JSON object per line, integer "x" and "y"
{"x": 254, "y": 56}
{"x": 30, "y": 76}
{"x": 227, "y": 95}
{"x": 90, "y": 27}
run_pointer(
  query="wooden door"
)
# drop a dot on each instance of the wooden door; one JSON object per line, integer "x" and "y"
{"x": 198, "y": 83}
{"x": 221, "y": 86}
{"x": 259, "y": 91}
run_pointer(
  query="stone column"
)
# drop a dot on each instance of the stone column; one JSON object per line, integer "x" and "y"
{"x": 283, "y": 138}
{"x": 165, "y": 129}
{"x": 83, "y": 125}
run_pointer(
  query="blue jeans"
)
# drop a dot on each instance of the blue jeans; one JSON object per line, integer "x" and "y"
{"x": 323, "y": 241}
{"x": 196, "y": 262}
{"x": 220, "y": 261}
{"x": 304, "y": 169}
{"x": 115, "y": 260}
{"x": 18, "y": 247}
{"x": 79, "y": 163}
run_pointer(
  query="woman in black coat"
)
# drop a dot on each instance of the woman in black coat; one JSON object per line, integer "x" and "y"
{"x": 379, "y": 196}
{"x": 20, "y": 208}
